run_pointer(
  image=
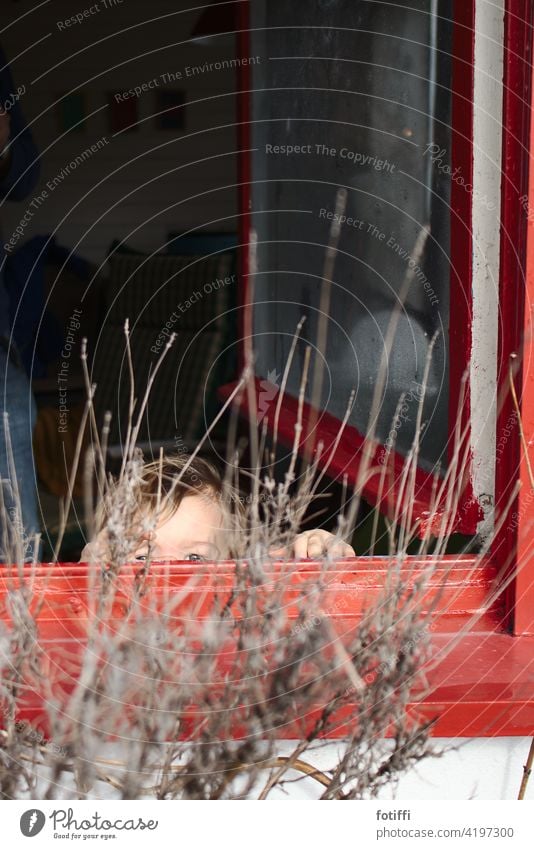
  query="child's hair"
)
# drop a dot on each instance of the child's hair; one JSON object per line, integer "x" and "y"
{"x": 166, "y": 482}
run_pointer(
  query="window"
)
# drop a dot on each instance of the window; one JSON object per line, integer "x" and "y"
{"x": 362, "y": 103}
{"x": 393, "y": 105}
{"x": 375, "y": 100}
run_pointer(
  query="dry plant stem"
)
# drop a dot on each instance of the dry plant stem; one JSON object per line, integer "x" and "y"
{"x": 101, "y": 456}
{"x": 527, "y": 770}
{"x": 229, "y": 401}
{"x": 281, "y": 766}
{"x": 90, "y": 389}
{"x": 5, "y": 524}
{"x": 253, "y": 418}
{"x": 66, "y": 505}
{"x": 19, "y": 542}
{"x": 416, "y": 256}
{"x": 296, "y": 764}
{"x": 232, "y": 454}
{"x": 324, "y": 315}
{"x": 132, "y": 399}
{"x": 403, "y": 495}
{"x": 389, "y": 450}
{"x": 133, "y": 432}
{"x": 453, "y": 486}
{"x": 520, "y": 426}
{"x": 253, "y": 268}
{"x": 257, "y": 454}
{"x": 345, "y": 660}
{"x": 440, "y": 546}
{"x": 448, "y": 492}
{"x": 339, "y": 434}
{"x": 282, "y": 392}
{"x": 305, "y": 495}
{"x": 417, "y": 438}
{"x": 290, "y": 475}
{"x": 369, "y": 446}
{"x": 90, "y": 464}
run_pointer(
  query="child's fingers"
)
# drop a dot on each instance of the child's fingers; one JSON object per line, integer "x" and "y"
{"x": 310, "y": 544}
{"x": 315, "y": 543}
{"x": 342, "y": 549}
{"x": 278, "y": 552}
{"x": 318, "y": 543}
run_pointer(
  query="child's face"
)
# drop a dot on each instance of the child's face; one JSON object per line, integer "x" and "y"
{"x": 194, "y": 532}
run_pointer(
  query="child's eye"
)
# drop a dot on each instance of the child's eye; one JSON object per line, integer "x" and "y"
{"x": 141, "y": 557}
{"x": 196, "y": 558}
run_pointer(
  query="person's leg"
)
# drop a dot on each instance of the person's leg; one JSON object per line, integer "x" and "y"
{"x": 16, "y": 399}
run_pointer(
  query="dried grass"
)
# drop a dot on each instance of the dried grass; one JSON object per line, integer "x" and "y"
{"x": 194, "y": 685}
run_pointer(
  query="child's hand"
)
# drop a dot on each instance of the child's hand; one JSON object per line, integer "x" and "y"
{"x": 315, "y": 543}
{"x": 95, "y": 551}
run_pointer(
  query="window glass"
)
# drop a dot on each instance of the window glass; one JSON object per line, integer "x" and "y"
{"x": 357, "y": 95}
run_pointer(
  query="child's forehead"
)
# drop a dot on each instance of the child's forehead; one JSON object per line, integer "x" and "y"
{"x": 194, "y": 507}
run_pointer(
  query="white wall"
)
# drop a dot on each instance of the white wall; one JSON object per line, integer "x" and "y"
{"x": 483, "y": 769}
{"x": 489, "y": 768}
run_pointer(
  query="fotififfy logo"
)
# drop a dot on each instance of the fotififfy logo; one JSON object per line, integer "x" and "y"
{"x": 32, "y": 822}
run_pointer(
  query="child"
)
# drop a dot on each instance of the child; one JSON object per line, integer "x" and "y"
{"x": 200, "y": 518}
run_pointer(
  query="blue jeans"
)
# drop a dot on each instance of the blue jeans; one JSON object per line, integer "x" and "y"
{"x": 18, "y": 402}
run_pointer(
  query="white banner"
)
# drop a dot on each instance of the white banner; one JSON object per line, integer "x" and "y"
{"x": 255, "y": 825}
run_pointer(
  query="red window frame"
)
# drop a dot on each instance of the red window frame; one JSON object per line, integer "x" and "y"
{"x": 512, "y": 545}
{"x": 480, "y": 685}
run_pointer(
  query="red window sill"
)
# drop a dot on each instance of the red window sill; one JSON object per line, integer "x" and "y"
{"x": 480, "y": 681}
